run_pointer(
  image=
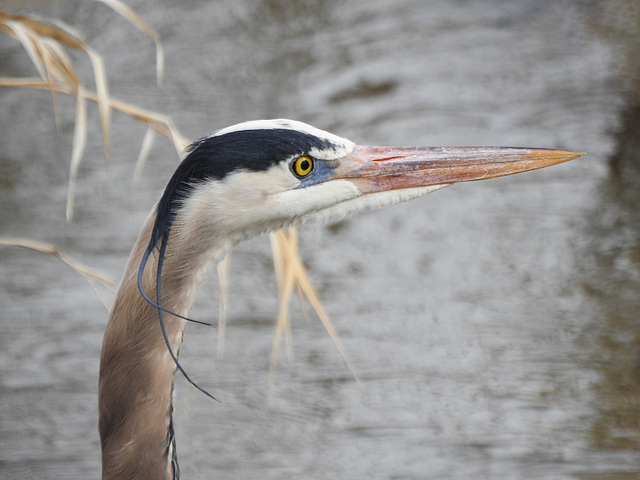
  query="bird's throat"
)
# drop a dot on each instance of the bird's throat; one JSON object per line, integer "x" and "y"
{"x": 137, "y": 370}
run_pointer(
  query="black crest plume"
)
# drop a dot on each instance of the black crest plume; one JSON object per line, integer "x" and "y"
{"x": 213, "y": 158}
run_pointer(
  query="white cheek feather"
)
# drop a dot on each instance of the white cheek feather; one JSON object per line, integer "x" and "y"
{"x": 245, "y": 203}
{"x": 249, "y": 203}
{"x": 364, "y": 203}
{"x": 304, "y": 203}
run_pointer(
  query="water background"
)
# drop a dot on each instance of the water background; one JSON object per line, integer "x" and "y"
{"x": 494, "y": 325}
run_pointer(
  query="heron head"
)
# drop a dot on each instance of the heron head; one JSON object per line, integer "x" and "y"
{"x": 263, "y": 175}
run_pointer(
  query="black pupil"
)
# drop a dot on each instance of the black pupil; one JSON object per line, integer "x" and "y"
{"x": 305, "y": 165}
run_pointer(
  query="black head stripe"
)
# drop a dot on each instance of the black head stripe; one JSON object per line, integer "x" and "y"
{"x": 253, "y": 150}
{"x": 213, "y": 158}
{"x": 217, "y": 156}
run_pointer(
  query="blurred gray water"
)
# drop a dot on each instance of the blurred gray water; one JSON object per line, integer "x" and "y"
{"x": 493, "y": 325}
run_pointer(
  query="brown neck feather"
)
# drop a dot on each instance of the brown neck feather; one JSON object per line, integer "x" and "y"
{"x": 136, "y": 369}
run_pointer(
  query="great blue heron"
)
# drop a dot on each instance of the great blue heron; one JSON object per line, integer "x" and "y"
{"x": 241, "y": 181}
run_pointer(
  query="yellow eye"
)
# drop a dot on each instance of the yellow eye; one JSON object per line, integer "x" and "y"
{"x": 302, "y": 166}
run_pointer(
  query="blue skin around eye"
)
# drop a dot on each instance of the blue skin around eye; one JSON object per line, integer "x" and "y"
{"x": 320, "y": 173}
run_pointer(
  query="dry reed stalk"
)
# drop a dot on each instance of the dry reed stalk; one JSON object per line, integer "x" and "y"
{"x": 132, "y": 17}
{"x": 291, "y": 274}
{"x": 44, "y": 41}
{"x": 94, "y": 277}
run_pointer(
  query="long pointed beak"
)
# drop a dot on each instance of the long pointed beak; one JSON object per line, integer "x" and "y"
{"x": 377, "y": 169}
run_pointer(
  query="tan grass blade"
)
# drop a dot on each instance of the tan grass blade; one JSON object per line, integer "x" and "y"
{"x": 21, "y": 33}
{"x": 79, "y": 143}
{"x": 42, "y": 247}
{"x": 55, "y": 60}
{"x": 126, "y": 12}
{"x": 67, "y": 35}
{"x": 102, "y": 93}
{"x": 179, "y": 141}
{"x": 159, "y": 123}
{"x": 43, "y": 44}
{"x": 143, "y": 155}
{"x": 60, "y": 34}
{"x": 283, "y": 267}
{"x": 291, "y": 273}
{"x": 18, "y": 30}
{"x": 285, "y": 281}
{"x": 94, "y": 277}
{"x": 57, "y": 32}
{"x": 44, "y": 40}
{"x": 310, "y": 294}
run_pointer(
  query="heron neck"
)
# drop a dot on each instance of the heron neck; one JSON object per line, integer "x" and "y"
{"x": 136, "y": 369}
